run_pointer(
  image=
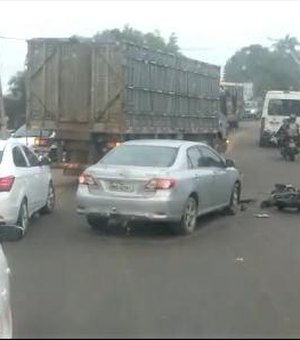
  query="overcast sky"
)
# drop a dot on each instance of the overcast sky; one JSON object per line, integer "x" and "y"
{"x": 210, "y": 31}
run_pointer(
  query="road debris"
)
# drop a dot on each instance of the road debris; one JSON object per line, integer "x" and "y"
{"x": 239, "y": 259}
{"x": 262, "y": 215}
{"x": 244, "y": 203}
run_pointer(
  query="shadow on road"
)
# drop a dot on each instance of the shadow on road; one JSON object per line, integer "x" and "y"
{"x": 156, "y": 231}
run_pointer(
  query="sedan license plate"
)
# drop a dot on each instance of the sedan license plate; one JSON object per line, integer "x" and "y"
{"x": 292, "y": 145}
{"x": 120, "y": 186}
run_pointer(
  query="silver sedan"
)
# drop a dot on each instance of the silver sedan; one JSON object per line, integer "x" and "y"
{"x": 158, "y": 180}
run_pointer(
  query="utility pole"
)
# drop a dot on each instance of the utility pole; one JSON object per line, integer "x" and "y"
{"x": 3, "y": 118}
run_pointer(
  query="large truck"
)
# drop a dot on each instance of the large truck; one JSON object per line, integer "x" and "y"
{"x": 232, "y": 102}
{"x": 96, "y": 94}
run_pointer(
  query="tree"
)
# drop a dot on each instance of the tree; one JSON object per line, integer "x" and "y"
{"x": 267, "y": 69}
{"x": 288, "y": 46}
{"x": 153, "y": 40}
{"x": 15, "y": 101}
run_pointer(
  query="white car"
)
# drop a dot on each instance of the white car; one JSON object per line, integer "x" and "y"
{"x": 7, "y": 233}
{"x": 26, "y": 185}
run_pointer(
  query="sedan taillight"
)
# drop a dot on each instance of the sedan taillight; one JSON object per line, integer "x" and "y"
{"x": 86, "y": 179}
{"x": 6, "y": 183}
{"x": 160, "y": 184}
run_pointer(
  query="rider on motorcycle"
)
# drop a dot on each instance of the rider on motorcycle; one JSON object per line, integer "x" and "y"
{"x": 293, "y": 127}
{"x": 289, "y": 129}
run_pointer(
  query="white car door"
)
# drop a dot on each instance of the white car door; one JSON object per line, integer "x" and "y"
{"x": 26, "y": 181}
{"x": 222, "y": 182}
{"x": 202, "y": 177}
{"x": 40, "y": 178}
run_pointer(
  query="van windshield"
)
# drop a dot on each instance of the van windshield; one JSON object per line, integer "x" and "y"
{"x": 284, "y": 107}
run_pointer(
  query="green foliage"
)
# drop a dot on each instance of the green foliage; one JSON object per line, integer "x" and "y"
{"x": 153, "y": 40}
{"x": 274, "y": 68}
{"x": 15, "y": 101}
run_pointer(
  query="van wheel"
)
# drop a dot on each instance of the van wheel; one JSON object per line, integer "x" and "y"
{"x": 261, "y": 143}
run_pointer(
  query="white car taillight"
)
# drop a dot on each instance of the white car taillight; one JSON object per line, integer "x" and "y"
{"x": 6, "y": 183}
{"x": 160, "y": 184}
{"x": 86, "y": 179}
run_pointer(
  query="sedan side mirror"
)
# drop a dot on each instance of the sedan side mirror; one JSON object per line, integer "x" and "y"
{"x": 229, "y": 163}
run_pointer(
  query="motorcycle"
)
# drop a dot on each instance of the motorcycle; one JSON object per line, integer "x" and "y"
{"x": 283, "y": 196}
{"x": 289, "y": 149}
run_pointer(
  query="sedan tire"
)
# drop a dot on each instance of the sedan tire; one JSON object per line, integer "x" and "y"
{"x": 188, "y": 220}
{"x": 233, "y": 207}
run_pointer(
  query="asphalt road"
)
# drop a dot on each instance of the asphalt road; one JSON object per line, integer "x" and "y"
{"x": 235, "y": 276}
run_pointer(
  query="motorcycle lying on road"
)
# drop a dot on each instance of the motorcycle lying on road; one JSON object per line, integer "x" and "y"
{"x": 283, "y": 196}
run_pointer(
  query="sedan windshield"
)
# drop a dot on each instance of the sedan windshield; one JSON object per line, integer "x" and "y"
{"x": 141, "y": 155}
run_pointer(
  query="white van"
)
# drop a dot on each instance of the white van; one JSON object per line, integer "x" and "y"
{"x": 278, "y": 105}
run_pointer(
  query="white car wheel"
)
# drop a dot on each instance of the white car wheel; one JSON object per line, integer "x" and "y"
{"x": 50, "y": 203}
{"x": 23, "y": 219}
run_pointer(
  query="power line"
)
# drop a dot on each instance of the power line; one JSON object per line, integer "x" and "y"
{"x": 12, "y": 38}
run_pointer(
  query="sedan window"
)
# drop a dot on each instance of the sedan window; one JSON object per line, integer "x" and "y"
{"x": 210, "y": 159}
{"x": 141, "y": 155}
{"x": 193, "y": 157}
{"x": 1, "y": 154}
{"x": 18, "y": 158}
{"x": 32, "y": 159}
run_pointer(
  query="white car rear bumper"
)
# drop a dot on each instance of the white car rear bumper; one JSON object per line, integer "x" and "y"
{"x": 9, "y": 210}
